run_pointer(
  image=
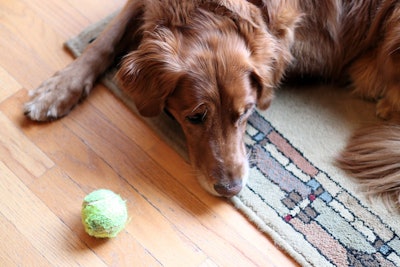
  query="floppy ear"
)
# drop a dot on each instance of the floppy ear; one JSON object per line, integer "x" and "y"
{"x": 269, "y": 36}
{"x": 265, "y": 91}
{"x": 150, "y": 73}
{"x": 263, "y": 46}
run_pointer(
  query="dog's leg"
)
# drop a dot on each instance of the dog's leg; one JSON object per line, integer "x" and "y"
{"x": 376, "y": 75}
{"x": 373, "y": 155}
{"x": 378, "y": 78}
{"x": 389, "y": 61}
{"x": 366, "y": 78}
{"x": 59, "y": 94}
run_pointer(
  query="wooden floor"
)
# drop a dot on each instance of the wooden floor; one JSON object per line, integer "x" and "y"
{"x": 47, "y": 168}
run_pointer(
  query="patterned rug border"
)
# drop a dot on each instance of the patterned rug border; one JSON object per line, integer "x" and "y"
{"x": 385, "y": 241}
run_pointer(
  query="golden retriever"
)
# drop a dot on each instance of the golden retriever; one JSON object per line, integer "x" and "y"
{"x": 210, "y": 63}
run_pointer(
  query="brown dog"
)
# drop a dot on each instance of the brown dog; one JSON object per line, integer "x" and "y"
{"x": 209, "y": 63}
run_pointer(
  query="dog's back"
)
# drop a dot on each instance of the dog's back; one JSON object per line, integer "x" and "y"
{"x": 332, "y": 34}
{"x": 359, "y": 40}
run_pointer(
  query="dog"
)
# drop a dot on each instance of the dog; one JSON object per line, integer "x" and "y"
{"x": 210, "y": 63}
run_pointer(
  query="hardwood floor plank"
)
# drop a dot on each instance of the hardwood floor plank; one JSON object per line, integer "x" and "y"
{"x": 31, "y": 50}
{"x": 8, "y": 86}
{"x": 93, "y": 11}
{"x": 15, "y": 249}
{"x": 121, "y": 117}
{"x": 29, "y": 73}
{"x": 64, "y": 197}
{"x": 146, "y": 223}
{"x": 70, "y": 20}
{"x": 45, "y": 231}
{"x": 19, "y": 153}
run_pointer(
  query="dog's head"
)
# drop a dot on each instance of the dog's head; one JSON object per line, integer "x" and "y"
{"x": 209, "y": 72}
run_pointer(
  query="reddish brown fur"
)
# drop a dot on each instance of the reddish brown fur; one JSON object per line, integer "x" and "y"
{"x": 373, "y": 156}
{"x": 209, "y": 63}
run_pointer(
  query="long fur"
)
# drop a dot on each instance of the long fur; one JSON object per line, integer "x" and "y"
{"x": 373, "y": 157}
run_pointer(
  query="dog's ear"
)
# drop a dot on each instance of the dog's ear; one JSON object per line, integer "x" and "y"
{"x": 268, "y": 35}
{"x": 150, "y": 73}
{"x": 264, "y": 46}
{"x": 265, "y": 92}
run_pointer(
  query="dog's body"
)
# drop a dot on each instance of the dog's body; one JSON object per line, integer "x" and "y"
{"x": 209, "y": 63}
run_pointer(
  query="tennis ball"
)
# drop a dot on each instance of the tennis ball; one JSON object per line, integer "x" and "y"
{"x": 104, "y": 213}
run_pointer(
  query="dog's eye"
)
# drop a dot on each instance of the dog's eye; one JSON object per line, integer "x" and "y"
{"x": 197, "y": 118}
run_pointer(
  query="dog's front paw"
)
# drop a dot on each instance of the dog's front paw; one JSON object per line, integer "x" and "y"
{"x": 57, "y": 96}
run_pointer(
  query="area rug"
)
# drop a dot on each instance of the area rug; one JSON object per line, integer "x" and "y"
{"x": 295, "y": 194}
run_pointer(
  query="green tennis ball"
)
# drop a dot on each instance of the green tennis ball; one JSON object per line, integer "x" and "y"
{"x": 104, "y": 213}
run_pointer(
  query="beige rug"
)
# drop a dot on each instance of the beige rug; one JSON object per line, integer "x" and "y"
{"x": 295, "y": 193}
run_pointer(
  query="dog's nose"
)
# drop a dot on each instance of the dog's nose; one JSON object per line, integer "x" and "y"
{"x": 228, "y": 189}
